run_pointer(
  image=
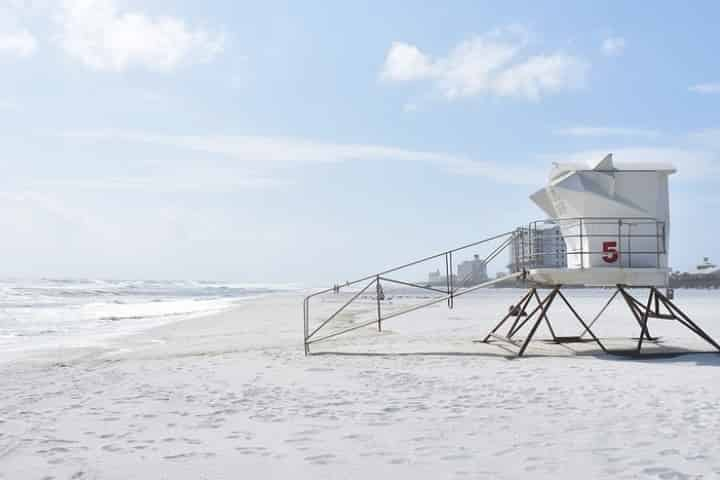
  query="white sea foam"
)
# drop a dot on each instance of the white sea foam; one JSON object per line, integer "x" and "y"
{"x": 40, "y": 313}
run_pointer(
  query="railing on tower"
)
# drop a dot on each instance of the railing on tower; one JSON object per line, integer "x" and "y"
{"x": 590, "y": 242}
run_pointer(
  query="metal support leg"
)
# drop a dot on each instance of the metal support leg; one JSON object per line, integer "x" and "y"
{"x": 643, "y": 325}
{"x": 602, "y": 310}
{"x": 509, "y": 314}
{"x": 547, "y": 320}
{"x": 529, "y": 316}
{"x": 635, "y": 306}
{"x": 518, "y": 312}
{"x": 582, "y": 322}
{"x": 543, "y": 309}
{"x": 672, "y": 308}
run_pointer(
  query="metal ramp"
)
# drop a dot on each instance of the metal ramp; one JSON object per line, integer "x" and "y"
{"x": 375, "y": 289}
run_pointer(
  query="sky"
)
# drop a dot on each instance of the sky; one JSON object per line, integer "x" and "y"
{"x": 313, "y": 141}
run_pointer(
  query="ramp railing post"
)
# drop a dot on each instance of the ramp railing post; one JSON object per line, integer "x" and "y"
{"x": 306, "y": 306}
{"x": 451, "y": 283}
{"x": 378, "y": 292}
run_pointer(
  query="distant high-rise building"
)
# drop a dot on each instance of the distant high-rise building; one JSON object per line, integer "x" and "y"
{"x": 541, "y": 248}
{"x": 435, "y": 278}
{"x": 472, "y": 272}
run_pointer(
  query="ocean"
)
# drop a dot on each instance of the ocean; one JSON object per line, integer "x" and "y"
{"x": 70, "y": 312}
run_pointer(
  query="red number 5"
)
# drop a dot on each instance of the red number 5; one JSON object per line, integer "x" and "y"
{"x": 610, "y": 251}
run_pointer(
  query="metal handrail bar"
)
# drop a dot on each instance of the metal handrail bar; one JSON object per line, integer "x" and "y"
{"x": 498, "y": 250}
{"x": 593, "y": 252}
{"x": 408, "y": 284}
{"x": 431, "y": 257}
{"x": 554, "y": 220}
{"x": 620, "y": 236}
{"x": 416, "y": 307}
{"x": 341, "y": 308}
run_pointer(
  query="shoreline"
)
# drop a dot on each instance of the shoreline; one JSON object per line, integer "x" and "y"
{"x": 96, "y": 343}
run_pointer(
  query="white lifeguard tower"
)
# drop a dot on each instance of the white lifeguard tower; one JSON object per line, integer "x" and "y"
{"x": 614, "y": 219}
{"x": 608, "y": 226}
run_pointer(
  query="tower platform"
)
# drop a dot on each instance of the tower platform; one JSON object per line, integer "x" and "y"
{"x": 599, "y": 276}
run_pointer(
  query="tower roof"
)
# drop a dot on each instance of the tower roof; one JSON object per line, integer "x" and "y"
{"x": 607, "y": 164}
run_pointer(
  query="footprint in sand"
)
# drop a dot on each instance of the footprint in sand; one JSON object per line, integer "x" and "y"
{"x": 664, "y": 473}
{"x": 180, "y": 456}
{"x": 112, "y": 448}
{"x": 191, "y": 441}
{"x": 298, "y": 440}
{"x": 324, "y": 459}
{"x": 456, "y": 457}
{"x": 505, "y": 451}
{"x": 262, "y": 451}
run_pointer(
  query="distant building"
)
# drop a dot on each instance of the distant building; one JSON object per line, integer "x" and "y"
{"x": 438, "y": 279}
{"x": 544, "y": 248}
{"x": 706, "y": 266}
{"x": 705, "y": 275}
{"x": 472, "y": 272}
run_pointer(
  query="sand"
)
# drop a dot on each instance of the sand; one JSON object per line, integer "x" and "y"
{"x": 233, "y": 396}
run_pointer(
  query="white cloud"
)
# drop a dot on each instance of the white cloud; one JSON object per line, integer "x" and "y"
{"x": 96, "y": 33}
{"x": 706, "y": 88}
{"x": 405, "y": 62}
{"x": 18, "y": 44}
{"x": 199, "y": 180}
{"x": 541, "y": 74}
{"x": 489, "y": 64}
{"x": 588, "y": 131}
{"x": 613, "y": 46}
{"x": 273, "y": 152}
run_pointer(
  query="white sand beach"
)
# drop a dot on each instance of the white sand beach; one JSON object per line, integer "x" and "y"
{"x": 233, "y": 396}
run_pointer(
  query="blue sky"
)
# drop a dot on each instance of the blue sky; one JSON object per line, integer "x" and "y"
{"x": 311, "y": 141}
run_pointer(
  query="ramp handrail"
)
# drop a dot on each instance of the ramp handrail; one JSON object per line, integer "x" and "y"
{"x": 375, "y": 280}
{"x": 489, "y": 283}
{"x": 410, "y": 264}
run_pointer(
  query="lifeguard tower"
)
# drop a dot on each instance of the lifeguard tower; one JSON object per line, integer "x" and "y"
{"x": 614, "y": 219}
{"x": 615, "y": 225}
